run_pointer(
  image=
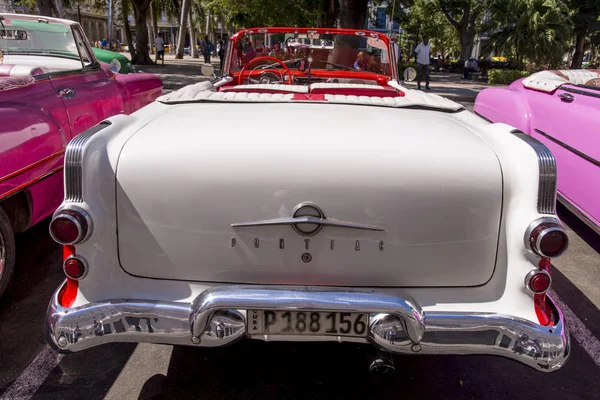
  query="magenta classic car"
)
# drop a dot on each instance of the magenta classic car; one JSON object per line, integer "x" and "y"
{"x": 561, "y": 109}
{"x": 51, "y": 89}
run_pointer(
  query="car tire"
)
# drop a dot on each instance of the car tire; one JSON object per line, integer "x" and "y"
{"x": 7, "y": 251}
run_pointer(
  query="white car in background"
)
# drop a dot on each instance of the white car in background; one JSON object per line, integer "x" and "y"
{"x": 384, "y": 215}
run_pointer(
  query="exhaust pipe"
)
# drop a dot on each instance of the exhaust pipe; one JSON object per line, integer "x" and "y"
{"x": 381, "y": 363}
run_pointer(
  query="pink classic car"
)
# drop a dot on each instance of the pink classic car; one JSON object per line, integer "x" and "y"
{"x": 52, "y": 88}
{"x": 561, "y": 109}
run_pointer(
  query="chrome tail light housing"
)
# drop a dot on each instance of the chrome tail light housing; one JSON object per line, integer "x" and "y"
{"x": 70, "y": 226}
{"x": 538, "y": 281}
{"x": 546, "y": 237}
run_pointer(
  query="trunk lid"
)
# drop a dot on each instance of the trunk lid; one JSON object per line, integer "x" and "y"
{"x": 410, "y": 197}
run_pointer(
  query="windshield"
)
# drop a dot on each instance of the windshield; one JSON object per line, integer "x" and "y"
{"x": 323, "y": 52}
{"x": 36, "y": 37}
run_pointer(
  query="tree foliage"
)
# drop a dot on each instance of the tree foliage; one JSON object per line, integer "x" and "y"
{"x": 585, "y": 16}
{"x": 465, "y": 17}
{"x": 424, "y": 18}
{"x": 537, "y": 30}
{"x": 253, "y": 13}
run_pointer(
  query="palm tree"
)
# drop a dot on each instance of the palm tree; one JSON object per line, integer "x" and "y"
{"x": 534, "y": 29}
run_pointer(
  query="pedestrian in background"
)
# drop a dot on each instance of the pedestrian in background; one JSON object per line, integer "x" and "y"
{"x": 470, "y": 66}
{"x": 205, "y": 47}
{"x": 221, "y": 51}
{"x": 422, "y": 56}
{"x": 160, "y": 47}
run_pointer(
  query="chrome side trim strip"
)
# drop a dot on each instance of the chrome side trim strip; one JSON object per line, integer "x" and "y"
{"x": 217, "y": 318}
{"x": 547, "y": 170}
{"x": 73, "y": 160}
{"x": 581, "y": 92}
{"x": 569, "y": 148}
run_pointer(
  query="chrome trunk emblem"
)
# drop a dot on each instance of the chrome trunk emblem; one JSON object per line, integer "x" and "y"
{"x": 307, "y": 220}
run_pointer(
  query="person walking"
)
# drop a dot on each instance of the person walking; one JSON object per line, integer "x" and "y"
{"x": 422, "y": 56}
{"x": 160, "y": 48}
{"x": 385, "y": 57}
{"x": 221, "y": 53}
{"x": 205, "y": 46}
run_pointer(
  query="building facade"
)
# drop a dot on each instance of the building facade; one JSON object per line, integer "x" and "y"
{"x": 378, "y": 20}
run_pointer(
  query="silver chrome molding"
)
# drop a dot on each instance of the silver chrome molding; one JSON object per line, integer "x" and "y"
{"x": 556, "y": 225}
{"x": 302, "y": 214}
{"x": 73, "y": 159}
{"x": 61, "y": 213}
{"x": 217, "y": 318}
{"x": 547, "y": 173}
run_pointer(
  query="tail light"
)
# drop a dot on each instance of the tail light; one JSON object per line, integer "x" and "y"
{"x": 538, "y": 281}
{"x": 546, "y": 237}
{"x": 75, "y": 267}
{"x": 68, "y": 293}
{"x": 70, "y": 226}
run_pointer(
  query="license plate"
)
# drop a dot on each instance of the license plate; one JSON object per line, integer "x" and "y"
{"x": 317, "y": 323}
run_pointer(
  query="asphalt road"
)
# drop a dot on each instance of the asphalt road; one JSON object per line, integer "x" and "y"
{"x": 258, "y": 370}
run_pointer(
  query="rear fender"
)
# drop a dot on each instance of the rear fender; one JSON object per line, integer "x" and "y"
{"x": 31, "y": 146}
{"x": 142, "y": 88}
{"x": 505, "y": 105}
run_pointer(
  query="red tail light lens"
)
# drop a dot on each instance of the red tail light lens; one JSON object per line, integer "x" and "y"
{"x": 75, "y": 268}
{"x": 70, "y": 227}
{"x": 547, "y": 238}
{"x": 538, "y": 281}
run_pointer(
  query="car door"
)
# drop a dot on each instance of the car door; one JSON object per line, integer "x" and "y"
{"x": 90, "y": 94}
{"x": 567, "y": 123}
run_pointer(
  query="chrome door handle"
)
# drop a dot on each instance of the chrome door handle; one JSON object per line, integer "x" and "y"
{"x": 67, "y": 93}
{"x": 566, "y": 97}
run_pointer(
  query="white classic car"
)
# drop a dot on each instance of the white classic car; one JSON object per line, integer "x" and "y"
{"x": 387, "y": 216}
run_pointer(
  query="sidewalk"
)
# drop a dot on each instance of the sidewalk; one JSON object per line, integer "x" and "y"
{"x": 453, "y": 86}
{"x": 178, "y": 73}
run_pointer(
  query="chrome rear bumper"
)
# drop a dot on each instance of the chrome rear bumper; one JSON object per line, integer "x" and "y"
{"x": 217, "y": 317}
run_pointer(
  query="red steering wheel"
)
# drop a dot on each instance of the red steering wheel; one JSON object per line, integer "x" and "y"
{"x": 267, "y": 58}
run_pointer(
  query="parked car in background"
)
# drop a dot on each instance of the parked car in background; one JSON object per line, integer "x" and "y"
{"x": 561, "y": 109}
{"x": 52, "y": 88}
{"x": 383, "y": 216}
{"x": 117, "y": 61}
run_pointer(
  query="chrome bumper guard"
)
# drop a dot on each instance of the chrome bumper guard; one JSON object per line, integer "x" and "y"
{"x": 217, "y": 317}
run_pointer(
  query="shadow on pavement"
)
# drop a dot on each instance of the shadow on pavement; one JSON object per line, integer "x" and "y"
{"x": 258, "y": 370}
{"x": 579, "y": 303}
{"x": 23, "y": 305}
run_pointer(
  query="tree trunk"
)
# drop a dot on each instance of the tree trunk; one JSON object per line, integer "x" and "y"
{"x": 353, "y": 14}
{"x": 185, "y": 10}
{"x": 207, "y": 32}
{"x": 142, "y": 56}
{"x": 579, "y": 51}
{"x": 193, "y": 49}
{"x": 59, "y": 8}
{"x": 466, "y": 45}
{"x": 45, "y": 7}
{"x": 154, "y": 14}
{"x": 125, "y": 8}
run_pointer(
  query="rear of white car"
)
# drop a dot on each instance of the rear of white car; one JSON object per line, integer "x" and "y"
{"x": 418, "y": 231}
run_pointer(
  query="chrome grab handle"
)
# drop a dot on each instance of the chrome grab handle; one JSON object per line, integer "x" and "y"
{"x": 566, "y": 97}
{"x": 67, "y": 93}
